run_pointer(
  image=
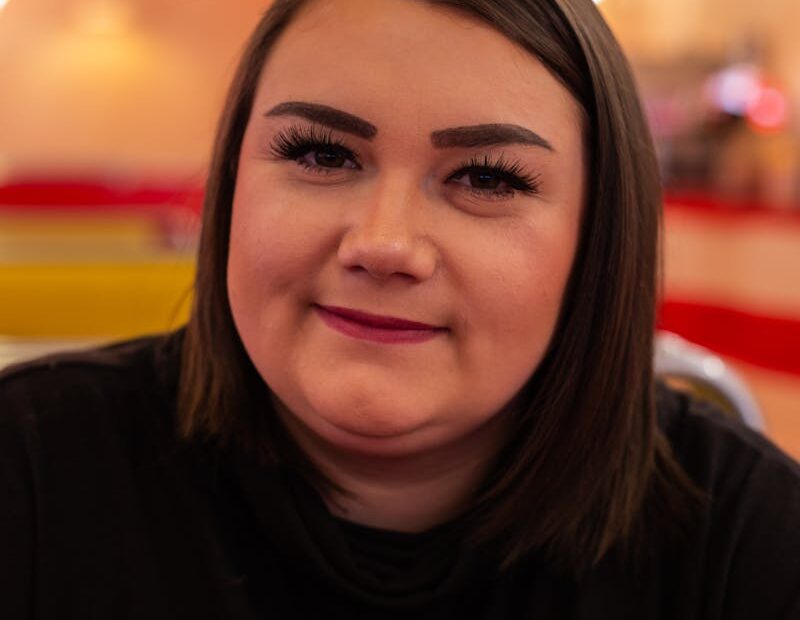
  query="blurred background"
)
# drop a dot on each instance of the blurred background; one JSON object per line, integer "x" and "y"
{"x": 108, "y": 110}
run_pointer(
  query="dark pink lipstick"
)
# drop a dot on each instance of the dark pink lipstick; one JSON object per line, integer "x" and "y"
{"x": 386, "y": 329}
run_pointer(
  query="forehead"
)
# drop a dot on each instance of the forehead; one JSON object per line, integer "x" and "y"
{"x": 406, "y": 61}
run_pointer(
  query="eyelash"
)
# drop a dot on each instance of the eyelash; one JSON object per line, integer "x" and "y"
{"x": 296, "y": 142}
{"x": 510, "y": 173}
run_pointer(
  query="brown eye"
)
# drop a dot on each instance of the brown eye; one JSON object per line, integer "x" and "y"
{"x": 494, "y": 179}
{"x": 484, "y": 179}
{"x": 329, "y": 158}
{"x": 314, "y": 150}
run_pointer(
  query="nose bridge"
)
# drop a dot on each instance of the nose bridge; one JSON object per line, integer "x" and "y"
{"x": 388, "y": 236}
{"x": 389, "y": 214}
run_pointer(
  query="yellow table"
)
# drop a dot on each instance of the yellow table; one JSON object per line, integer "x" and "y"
{"x": 91, "y": 276}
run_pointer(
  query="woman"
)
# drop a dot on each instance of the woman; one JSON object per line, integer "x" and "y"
{"x": 417, "y": 379}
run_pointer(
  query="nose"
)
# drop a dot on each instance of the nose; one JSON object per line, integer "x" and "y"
{"x": 388, "y": 238}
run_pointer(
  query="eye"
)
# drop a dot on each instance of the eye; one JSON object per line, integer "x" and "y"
{"x": 482, "y": 178}
{"x": 313, "y": 149}
{"x": 327, "y": 157}
{"x": 498, "y": 179}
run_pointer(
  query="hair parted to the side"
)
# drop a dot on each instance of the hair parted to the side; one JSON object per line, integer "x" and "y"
{"x": 587, "y": 468}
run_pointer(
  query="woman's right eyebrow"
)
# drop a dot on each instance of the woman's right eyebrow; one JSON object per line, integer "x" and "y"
{"x": 326, "y": 115}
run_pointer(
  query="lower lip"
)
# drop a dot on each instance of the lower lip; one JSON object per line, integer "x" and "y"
{"x": 384, "y": 335}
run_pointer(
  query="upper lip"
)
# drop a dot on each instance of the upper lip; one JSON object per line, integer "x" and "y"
{"x": 376, "y": 320}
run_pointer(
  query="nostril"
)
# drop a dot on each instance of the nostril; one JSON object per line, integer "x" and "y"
{"x": 356, "y": 269}
{"x": 381, "y": 273}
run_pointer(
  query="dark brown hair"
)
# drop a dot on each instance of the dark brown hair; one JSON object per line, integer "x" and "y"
{"x": 587, "y": 469}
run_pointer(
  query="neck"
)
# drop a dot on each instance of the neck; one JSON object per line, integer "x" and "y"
{"x": 408, "y": 493}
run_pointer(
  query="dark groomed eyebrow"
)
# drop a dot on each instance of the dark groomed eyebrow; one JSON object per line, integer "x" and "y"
{"x": 487, "y": 135}
{"x": 472, "y": 136}
{"x": 326, "y": 115}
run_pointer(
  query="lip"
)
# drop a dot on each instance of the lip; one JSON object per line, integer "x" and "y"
{"x": 374, "y": 327}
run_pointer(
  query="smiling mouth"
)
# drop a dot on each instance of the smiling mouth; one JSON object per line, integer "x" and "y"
{"x": 376, "y": 328}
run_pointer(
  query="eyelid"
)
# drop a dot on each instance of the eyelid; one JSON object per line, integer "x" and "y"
{"x": 503, "y": 168}
{"x": 300, "y": 138}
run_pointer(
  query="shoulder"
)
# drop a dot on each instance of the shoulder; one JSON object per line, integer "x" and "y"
{"x": 745, "y": 553}
{"x": 718, "y": 451}
{"x": 82, "y": 439}
{"x": 79, "y": 378}
{"x": 119, "y": 357}
{"x": 70, "y": 398}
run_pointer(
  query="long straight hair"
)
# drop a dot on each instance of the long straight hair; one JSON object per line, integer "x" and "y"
{"x": 587, "y": 452}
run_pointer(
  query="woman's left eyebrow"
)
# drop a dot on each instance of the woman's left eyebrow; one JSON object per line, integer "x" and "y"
{"x": 491, "y": 134}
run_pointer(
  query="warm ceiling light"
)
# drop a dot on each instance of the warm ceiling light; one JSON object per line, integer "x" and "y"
{"x": 769, "y": 109}
{"x": 105, "y": 17}
{"x": 2, "y": 4}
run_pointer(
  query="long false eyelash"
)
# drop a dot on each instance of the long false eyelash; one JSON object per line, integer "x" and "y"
{"x": 296, "y": 141}
{"x": 510, "y": 172}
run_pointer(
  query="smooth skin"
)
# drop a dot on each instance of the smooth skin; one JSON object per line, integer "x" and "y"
{"x": 409, "y": 428}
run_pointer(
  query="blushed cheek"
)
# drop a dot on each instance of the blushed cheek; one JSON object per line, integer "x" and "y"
{"x": 251, "y": 262}
{"x": 528, "y": 306}
{"x": 263, "y": 248}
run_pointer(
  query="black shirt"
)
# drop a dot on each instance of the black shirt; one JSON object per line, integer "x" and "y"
{"x": 105, "y": 513}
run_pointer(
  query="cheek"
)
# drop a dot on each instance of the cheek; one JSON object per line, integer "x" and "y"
{"x": 264, "y": 267}
{"x": 276, "y": 245}
{"x": 517, "y": 296}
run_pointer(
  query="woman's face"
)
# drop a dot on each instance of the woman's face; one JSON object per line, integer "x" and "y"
{"x": 405, "y": 218}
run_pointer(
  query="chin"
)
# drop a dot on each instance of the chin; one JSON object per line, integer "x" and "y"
{"x": 374, "y": 420}
{"x": 395, "y": 446}
{"x": 375, "y": 429}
